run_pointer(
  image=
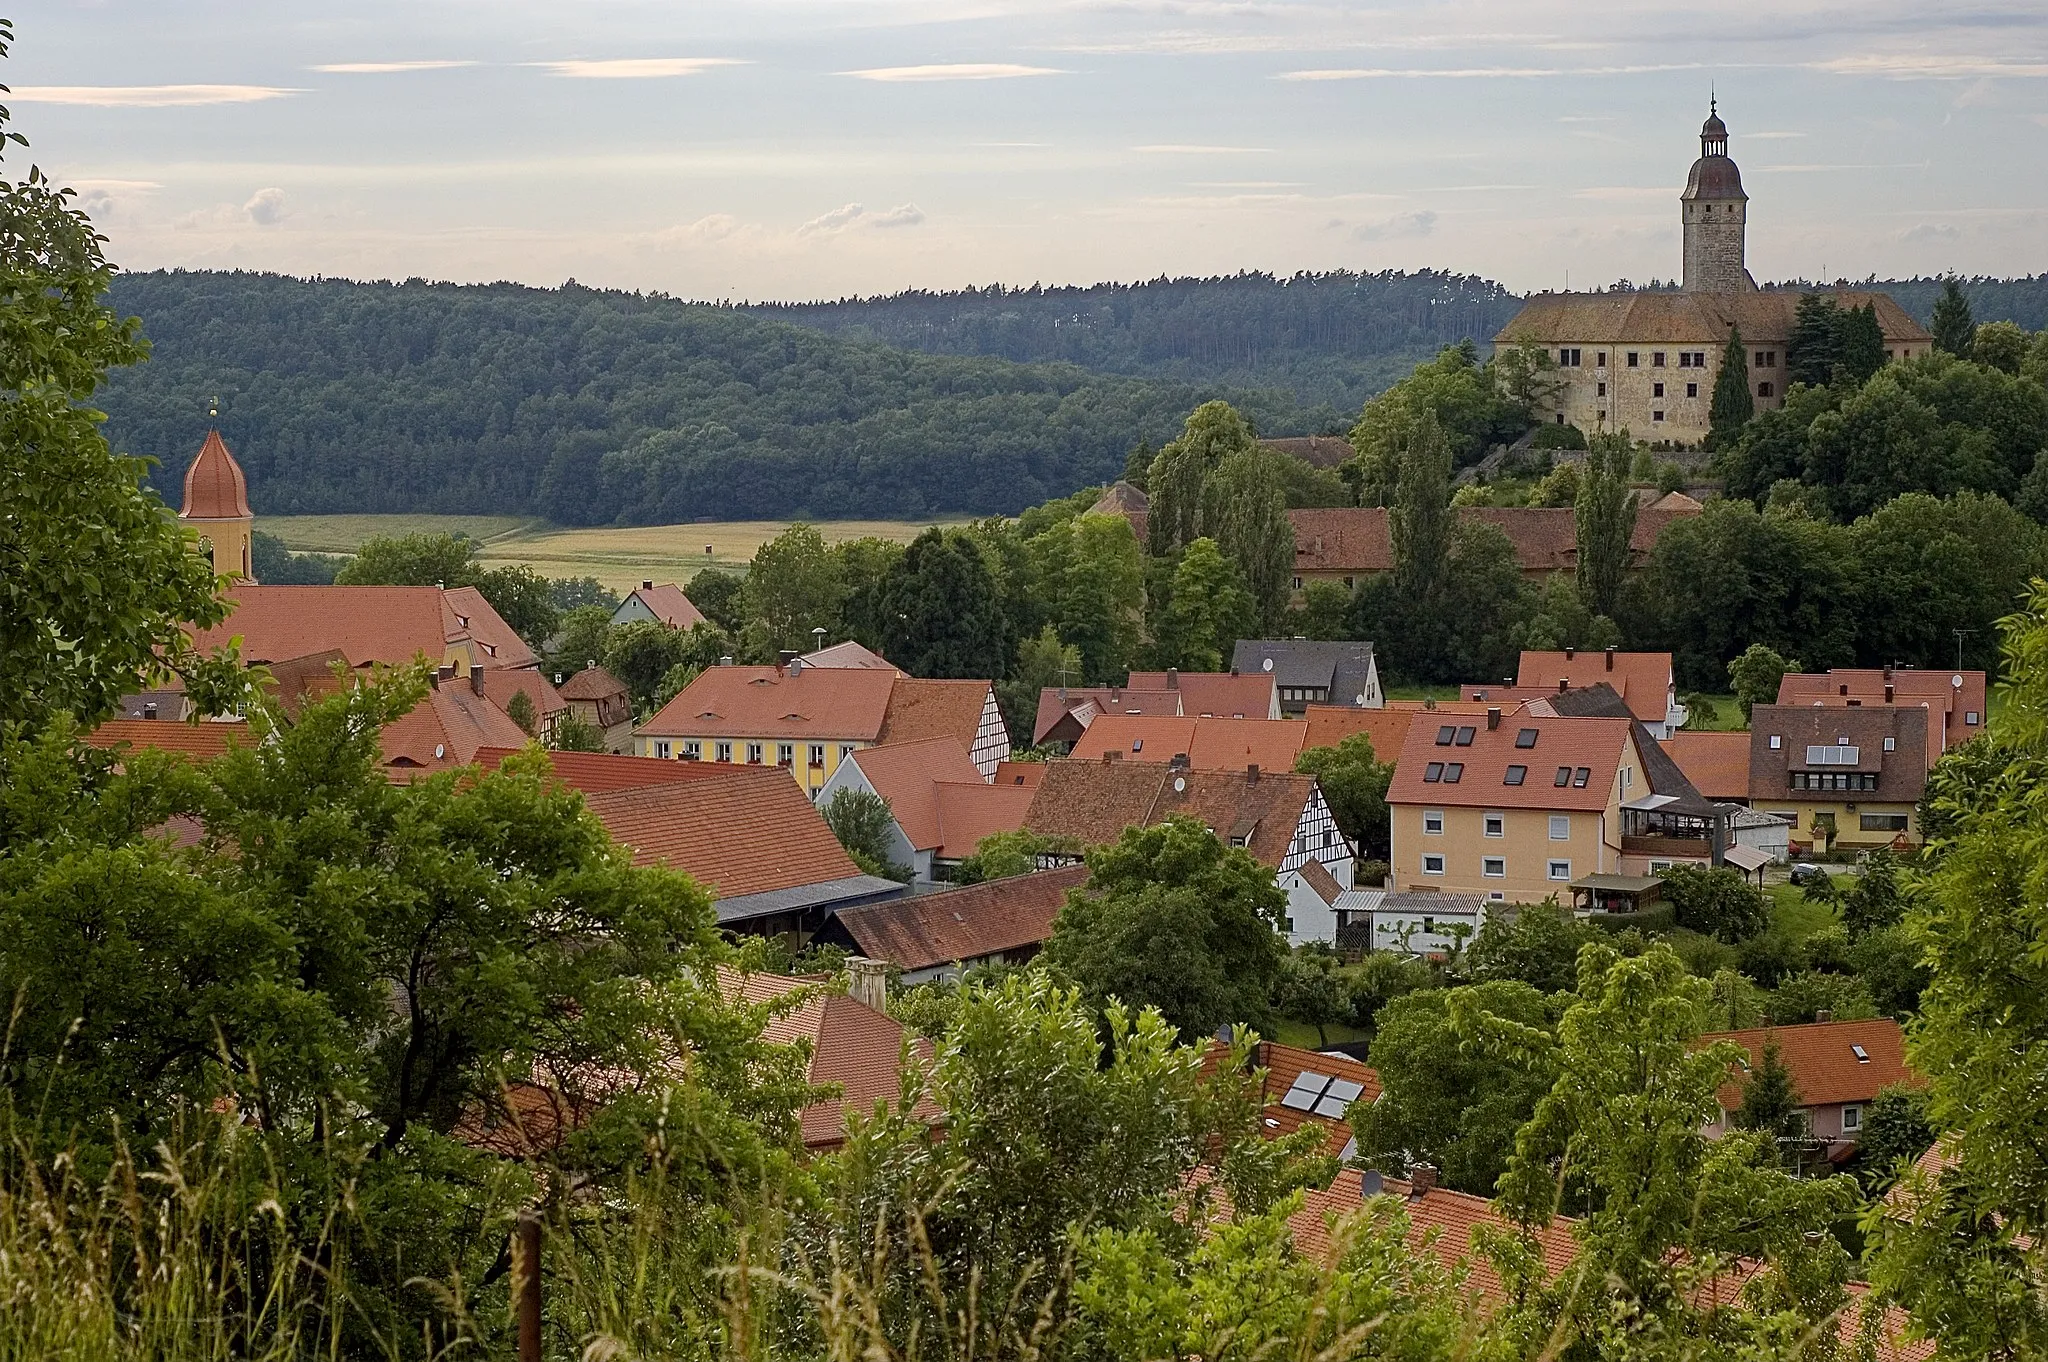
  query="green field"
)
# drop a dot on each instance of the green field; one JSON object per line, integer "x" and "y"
{"x": 620, "y": 558}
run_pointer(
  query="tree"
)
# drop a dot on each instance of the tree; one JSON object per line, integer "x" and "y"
{"x": 1859, "y": 342}
{"x": 1732, "y": 404}
{"x": 1770, "y": 1099}
{"x": 1042, "y": 662}
{"x": 1002, "y": 855}
{"x": 1244, "y": 510}
{"x": 412, "y": 560}
{"x": 716, "y": 594}
{"x": 1445, "y": 1102}
{"x": 1181, "y": 471}
{"x": 941, "y": 616}
{"x": 519, "y": 709}
{"x": 1811, "y": 350}
{"x": 1717, "y": 902}
{"x": 2000, "y": 345}
{"x": 1756, "y": 676}
{"x": 584, "y": 635}
{"x": 98, "y": 580}
{"x": 1091, "y": 575}
{"x": 1536, "y": 944}
{"x": 573, "y": 733}
{"x": 275, "y": 565}
{"x": 1171, "y": 918}
{"x": 1895, "y": 1132}
{"x": 1354, "y": 783}
{"x": 1208, "y": 612}
{"x": 640, "y": 653}
{"x": 523, "y": 599}
{"x": 1955, "y": 330}
{"x": 866, "y": 567}
{"x": 1962, "y": 560}
{"x": 1310, "y": 991}
{"x": 1420, "y": 521}
{"x": 1606, "y": 522}
{"x": 794, "y": 587}
{"x": 866, "y": 826}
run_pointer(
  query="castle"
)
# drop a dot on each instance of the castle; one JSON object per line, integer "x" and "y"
{"x": 1646, "y": 362}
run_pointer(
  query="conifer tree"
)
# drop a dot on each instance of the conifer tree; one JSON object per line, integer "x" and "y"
{"x": 1732, "y": 406}
{"x": 1420, "y": 521}
{"x": 1770, "y": 1100}
{"x": 1810, "y": 352}
{"x": 1859, "y": 342}
{"x": 1606, "y": 521}
{"x": 1955, "y": 330}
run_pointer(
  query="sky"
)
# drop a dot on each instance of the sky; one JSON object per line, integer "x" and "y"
{"x": 799, "y": 149}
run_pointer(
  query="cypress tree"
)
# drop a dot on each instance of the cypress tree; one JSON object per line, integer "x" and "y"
{"x": 1859, "y": 342}
{"x": 1606, "y": 521}
{"x": 1810, "y": 353}
{"x": 1420, "y": 521}
{"x": 1732, "y": 406}
{"x": 1955, "y": 330}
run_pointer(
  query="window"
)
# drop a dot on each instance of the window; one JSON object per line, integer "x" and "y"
{"x": 1465, "y": 736}
{"x": 1560, "y": 870}
{"x": 753, "y": 754}
{"x": 1138, "y": 744}
{"x": 1564, "y": 777}
{"x": 1631, "y": 359}
{"x": 1433, "y": 865}
{"x": 1525, "y": 737}
{"x": 1568, "y": 359}
{"x": 1862, "y": 1055}
{"x": 1433, "y": 821}
{"x": 818, "y": 755}
{"x": 1496, "y": 897}
{"x": 1494, "y": 867}
{"x": 661, "y": 750}
{"x": 1852, "y": 1119}
{"x": 1581, "y": 776}
{"x": 1777, "y": 741}
{"x": 1432, "y": 773}
{"x": 724, "y": 751}
{"x": 1764, "y": 390}
{"x": 1759, "y": 360}
{"x": 1515, "y": 776}
{"x": 1656, "y": 359}
{"x": 1297, "y": 583}
{"x": 845, "y": 750}
{"x": 1445, "y": 734}
{"x": 1656, "y": 390}
{"x": 693, "y": 750}
{"x": 1657, "y": 415}
{"x": 1603, "y": 414}
{"x": 1970, "y": 717}
{"x": 785, "y": 754}
{"x": 1600, "y": 390}
{"x": 1601, "y": 361}
{"x": 1496, "y": 825}
{"x": 1891, "y": 744}
{"x": 1692, "y": 390}
{"x": 1699, "y": 359}
{"x": 1882, "y": 822}
{"x": 1454, "y": 772}
{"x": 1560, "y": 827}
{"x": 1685, "y": 359}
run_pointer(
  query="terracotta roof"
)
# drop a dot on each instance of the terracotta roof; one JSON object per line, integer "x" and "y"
{"x": 1677, "y": 501}
{"x": 1600, "y": 701}
{"x": 1643, "y": 680}
{"x": 1249, "y": 695}
{"x": 1716, "y": 763}
{"x": 1329, "y": 725}
{"x": 1315, "y": 1101}
{"x": 1055, "y": 703}
{"x": 597, "y": 772}
{"x": 1441, "y": 1222}
{"x": 1821, "y": 1057}
{"x": 669, "y": 605}
{"x": 446, "y": 730}
{"x": 1593, "y": 745}
{"x": 593, "y": 683}
{"x": 1126, "y": 500}
{"x": 1930, "y": 689}
{"x": 815, "y": 704}
{"x": 750, "y": 831}
{"x": 1093, "y": 802}
{"x": 849, "y": 655}
{"x": 366, "y": 624}
{"x": 1321, "y": 881}
{"x": 972, "y": 810}
{"x": 966, "y": 924}
{"x": 1324, "y": 451}
{"x": 201, "y": 741}
{"x": 908, "y": 774}
{"x": 1024, "y": 773}
{"x": 500, "y": 685}
{"x": 918, "y": 708}
{"x": 1901, "y": 773}
{"x": 1685, "y": 318}
{"x": 1210, "y": 744}
{"x": 214, "y": 486}
{"x": 1265, "y": 811}
{"x": 852, "y": 1046}
{"x": 296, "y": 680}
{"x": 1355, "y": 540}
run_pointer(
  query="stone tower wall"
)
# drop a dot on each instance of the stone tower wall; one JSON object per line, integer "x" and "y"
{"x": 1714, "y": 245}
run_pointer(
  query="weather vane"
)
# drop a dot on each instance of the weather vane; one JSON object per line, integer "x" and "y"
{"x": 213, "y": 408}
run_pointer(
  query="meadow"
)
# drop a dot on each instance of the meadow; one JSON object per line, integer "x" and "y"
{"x": 620, "y": 558}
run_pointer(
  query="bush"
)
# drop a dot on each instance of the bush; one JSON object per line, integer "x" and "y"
{"x": 1719, "y": 903}
{"x": 1379, "y": 979}
{"x": 1558, "y": 437}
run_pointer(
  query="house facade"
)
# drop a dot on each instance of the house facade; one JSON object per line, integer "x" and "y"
{"x": 665, "y": 604}
{"x": 940, "y": 805}
{"x": 1313, "y": 672}
{"x": 1956, "y": 701}
{"x": 1837, "y": 1069}
{"x": 1846, "y": 778}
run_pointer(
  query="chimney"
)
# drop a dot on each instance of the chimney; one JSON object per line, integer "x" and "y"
{"x": 647, "y": 584}
{"x": 784, "y": 658}
{"x": 1493, "y": 718}
{"x": 726, "y": 660}
{"x": 149, "y": 709}
{"x": 867, "y": 981}
{"x": 1569, "y": 651}
{"x": 1610, "y": 659}
{"x": 1233, "y": 670}
{"x": 1564, "y": 683}
{"x": 445, "y": 672}
{"x": 1108, "y": 756}
{"x": 1173, "y": 678}
{"x": 1823, "y": 1015}
{"x": 590, "y": 664}
{"x": 476, "y": 678}
{"x": 796, "y": 666}
{"x": 1887, "y": 672}
{"x": 1421, "y": 1179}
{"x": 1251, "y": 774}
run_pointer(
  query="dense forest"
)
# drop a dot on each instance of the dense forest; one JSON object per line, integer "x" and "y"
{"x": 590, "y": 407}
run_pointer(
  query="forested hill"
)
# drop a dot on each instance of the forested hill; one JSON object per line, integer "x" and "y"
{"x": 1333, "y": 339}
{"x": 590, "y": 407}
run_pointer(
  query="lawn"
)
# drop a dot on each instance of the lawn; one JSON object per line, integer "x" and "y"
{"x": 620, "y": 558}
{"x": 1727, "y": 717}
{"x": 1796, "y": 914}
{"x": 1303, "y": 1036}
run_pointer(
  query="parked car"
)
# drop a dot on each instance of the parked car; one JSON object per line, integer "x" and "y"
{"x": 1806, "y": 872}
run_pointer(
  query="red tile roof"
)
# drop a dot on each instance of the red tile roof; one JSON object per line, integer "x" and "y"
{"x": 1822, "y": 1060}
{"x": 214, "y": 486}
{"x": 1910, "y": 686}
{"x": 367, "y": 624}
{"x": 1024, "y": 773}
{"x": 749, "y": 831}
{"x": 1093, "y": 802}
{"x": 1055, "y": 703}
{"x": 498, "y": 643}
{"x": 850, "y": 655}
{"x": 597, "y": 772}
{"x": 200, "y": 742}
{"x": 919, "y": 708}
{"x": 966, "y": 924}
{"x": 852, "y": 1046}
{"x": 1224, "y": 695}
{"x": 593, "y": 683}
{"x": 500, "y": 685}
{"x": 1441, "y": 1223}
{"x": 1643, "y": 680}
{"x": 1716, "y": 763}
{"x": 908, "y": 774}
{"x": 446, "y": 730}
{"x": 815, "y": 704}
{"x": 1209, "y": 744}
{"x": 1329, "y": 725}
{"x": 1597, "y": 745}
{"x": 669, "y": 605}
{"x": 972, "y": 810}
{"x": 1283, "y": 1066}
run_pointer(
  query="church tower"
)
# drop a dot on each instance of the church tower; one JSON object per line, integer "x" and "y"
{"x": 217, "y": 505}
{"x": 1714, "y": 210}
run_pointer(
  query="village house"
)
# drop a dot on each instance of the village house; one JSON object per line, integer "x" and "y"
{"x": 1717, "y": 763}
{"x": 940, "y": 804}
{"x": 665, "y": 604}
{"x": 1837, "y": 1068}
{"x": 1313, "y": 672}
{"x": 1645, "y": 682}
{"x": 935, "y": 937}
{"x": 1955, "y": 701}
{"x": 1386, "y": 729}
{"x": 1847, "y": 778}
{"x": 596, "y": 697}
{"x": 1203, "y": 744}
{"x": 809, "y": 719}
{"x": 369, "y": 626}
{"x": 1065, "y": 712}
{"x": 1646, "y": 362}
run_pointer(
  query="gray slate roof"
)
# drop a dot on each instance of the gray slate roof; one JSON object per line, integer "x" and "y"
{"x": 1341, "y": 668}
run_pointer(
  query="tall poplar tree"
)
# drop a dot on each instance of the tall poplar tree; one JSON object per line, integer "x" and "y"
{"x": 1955, "y": 330}
{"x": 1419, "y": 523}
{"x": 1732, "y": 406}
{"x": 1213, "y": 432}
{"x": 1606, "y": 521}
{"x": 1244, "y": 509}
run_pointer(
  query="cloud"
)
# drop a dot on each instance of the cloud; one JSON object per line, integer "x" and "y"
{"x": 1396, "y": 227}
{"x": 902, "y": 215}
{"x": 1769, "y": 136}
{"x": 838, "y": 220}
{"x": 1478, "y": 72}
{"x": 636, "y": 68}
{"x": 1626, "y": 191}
{"x": 1196, "y": 149}
{"x": 384, "y": 68}
{"x": 1926, "y": 66}
{"x": 266, "y": 207}
{"x": 954, "y": 71}
{"x": 1930, "y": 234}
{"x": 1006, "y": 145}
{"x": 146, "y": 96}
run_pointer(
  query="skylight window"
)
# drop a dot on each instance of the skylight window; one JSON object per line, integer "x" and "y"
{"x": 1516, "y": 775}
{"x": 1564, "y": 776}
{"x": 1322, "y": 1095}
{"x": 1454, "y": 772}
{"x": 1444, "y": 735}
{"x": 1581, "y": 776}
{"x": 1465, "y": 736}
{"x": 1525, "y": 738}
{"x": 1862, "y": 1055}
{"x": 1432, "y": 773}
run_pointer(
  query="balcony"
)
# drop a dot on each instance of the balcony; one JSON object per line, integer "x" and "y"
{"x": 1682, "y": 848}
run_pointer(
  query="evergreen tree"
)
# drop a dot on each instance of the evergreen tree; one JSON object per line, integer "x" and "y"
{"x": 1859, "y": 342}
{"x": 1209, "y": 611}
{"x": 1244, "y": 510}
{"x": 1770, "y": 1099}
{"x": 1955, "y": 330}
{"x": 941, "y": 614}
{"x": 1606, "y": 520}
{"x": 1810, "y": 352}
{"x": 1420, "y": 521}
{"x": 1174, "y": 485}
{"x": 1732, "y": 406}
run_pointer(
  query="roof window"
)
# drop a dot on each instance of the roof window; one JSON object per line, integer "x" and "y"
{"x": 1581, "y": 776}
{"x": 1444, "y": 735}
{"x": 1454, "y": 772}
{"x": 1862, "y": 1055}
{"x": 1432, "y": 773}
{"x": 1564, "y": 776}
{"x": 1465, "y": 736}
{"x": 1525, "y": 738}
{"x": 1516, "y": 775}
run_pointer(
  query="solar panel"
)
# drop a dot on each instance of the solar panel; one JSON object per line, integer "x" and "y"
{"x": 1307, "y": 1089}
{"x": 1343, "y": 1092}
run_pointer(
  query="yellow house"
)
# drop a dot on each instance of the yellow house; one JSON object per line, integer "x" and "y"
{"x": 808, "y": 719}
{"x": 1848, "y": 776}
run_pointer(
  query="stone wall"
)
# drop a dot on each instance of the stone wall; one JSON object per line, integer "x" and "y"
{"x": 1714, "y": 245}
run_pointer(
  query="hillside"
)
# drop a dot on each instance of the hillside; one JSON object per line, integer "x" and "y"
{"x": 591, "y": 407}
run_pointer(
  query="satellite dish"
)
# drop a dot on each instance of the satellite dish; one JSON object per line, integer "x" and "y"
{"x": 1267, "y": 665}
{"x": 1956, "y": 680}
{"x": 1180, "y": 784}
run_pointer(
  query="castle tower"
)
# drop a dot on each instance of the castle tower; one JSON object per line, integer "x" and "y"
{"x": 1714, "y": 210}
{"x": 217, "y": 505}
